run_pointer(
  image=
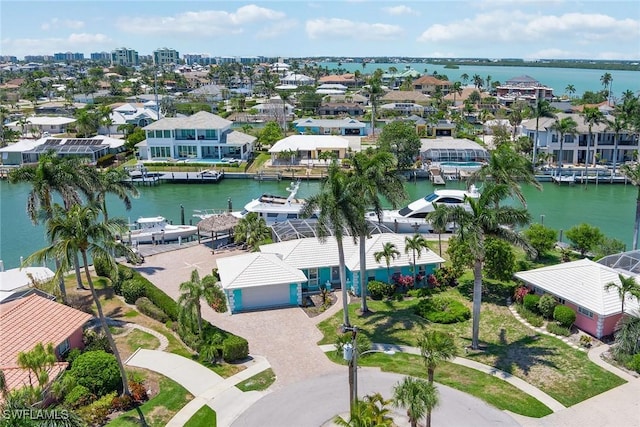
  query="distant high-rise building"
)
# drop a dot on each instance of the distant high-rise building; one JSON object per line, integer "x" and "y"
{"x": 165, "y": 55}
{"x": 101, "y": 56}
{"x": 38, "y": 58}
{"x": 198, "y": 58}
{"x": 68, "y": 56}
{"x": 9, "y": 58}
{"x": 124, "y": 56}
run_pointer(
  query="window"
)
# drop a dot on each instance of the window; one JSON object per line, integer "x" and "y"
{"x": 63, "y": 348}
{"x": 166, "y": 134}
{"x": 150, "y": 134}
{"x": 210, "y": 134}
{"x": 160, "y": 152}
{"x": 187, "y": 151}
{"x": 561, "y": 301}
{"x": 158, "y": 134}
{"x": 185, "y": 134}
{"x": 585, "y": 312}
{"x": 313, "y": 277}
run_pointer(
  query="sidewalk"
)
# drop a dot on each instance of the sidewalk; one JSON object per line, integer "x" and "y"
{"x": 207, "y": 387}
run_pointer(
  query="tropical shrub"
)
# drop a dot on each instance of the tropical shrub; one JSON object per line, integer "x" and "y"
{"x": 634, "y": 364}
{"x": 97, "y": 371}
{"x": 160, "y": 299}
{"x": 95, "y": 340}
{"x": 585, "y": 341}
{"x": 102, "y": 267}
{"x": 542, "y": 238}
{"x": 446, "y": 276}
{"x": 585, "y": 237}
{"x": 445, "y": 310}
{"x": 402, "y": 281}
{"x": 132, "y": 290}
{"x": 234, "y": 348}
{"x": 379, "y": 290}
{"x": 546, "y": 305}
{"x": 557, "y": 329}
{"x": 500, "y": 262}
{"x": 72, "y": 354}
{"x": 419, "y": 293}
{"x": 520, "y": 293}
{"x": 96, "y": 413}
{"x": 460, "y": 255}
{"x": 122, "y": 403}
{"x": 627, "y": 337}
{"x": 215, "y": 295}
{"x": 530, "y": 302}
{"x": 532, "y": 318}
{"x": 79, "y": 396}
{"x": 564, "y": 315}
{"x": 145, "y": 306}
{"x": 138, "y": 391}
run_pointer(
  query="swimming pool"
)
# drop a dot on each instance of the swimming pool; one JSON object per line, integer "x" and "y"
{"x": 462, "y": 164}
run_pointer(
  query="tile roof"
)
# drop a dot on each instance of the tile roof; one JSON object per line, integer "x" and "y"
{"x": 581, "y": 282}
{"x": 199, "y": 120}
{"x": 257, "y": 269}
{"x": 27, "y": 321}
{"x": 17, "y": 377}
{"x": 406, "y": 95}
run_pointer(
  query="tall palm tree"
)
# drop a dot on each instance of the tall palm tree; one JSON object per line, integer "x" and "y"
{"x": 542, "y": 109}
{"x": 477, "y": 81}
{"x": 419, "y": 397}
{"x": 373, "y": 175}
{"x": 389, "y": 252}
{"x": 339, "y": 213}
{"x": 486, "y": 219}
{"x": 564, "y": 126}
{"x": 436, "y": 347}
{"x": 570, "y": 89}
{"x": 591, "y": 116}
{"x": 606, "y": 79}
{"x": 252, "y": 230}
{"x": 627, "y": 286}
{"x": 189, "y": 301}
{"x": 415, "y": 244}
{"x": 456, "y": 88}
{"x": 507, "y": 167}
{"x": 632, "y": 172}
{"x": 439, "y": 219}
{"x": 617, "y": 125}
{"x": 375, "y": 92}
{"x": 464, "y": 77}
{"x": 113, "y": 181}
{"x": 79, "y": 230}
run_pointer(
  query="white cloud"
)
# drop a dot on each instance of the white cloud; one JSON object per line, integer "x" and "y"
{"x": 515, "y": 26}
{"x": 75, "y": 42}
{"x": 55, "y": 24}
{"x": 203, "y": 23}
{"x": 400, "y": 10}
{"x": 276, "y": 29}
{"x": 344, "y": 28}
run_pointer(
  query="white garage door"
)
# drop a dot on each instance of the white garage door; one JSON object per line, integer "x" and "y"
{"x": 265, "y": 296}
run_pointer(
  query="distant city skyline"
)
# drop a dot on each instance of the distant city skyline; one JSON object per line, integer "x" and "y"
{"x": 528, "y": 29}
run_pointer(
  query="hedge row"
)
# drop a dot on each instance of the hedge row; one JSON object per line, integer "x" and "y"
{"x": 145, "y": 306}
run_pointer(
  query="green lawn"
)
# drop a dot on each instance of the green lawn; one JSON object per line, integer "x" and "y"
{"x": 138, "y": 338}
{"x": 562, "y": 372}
{"x": 205, "y": 417}
{"x": 260, "y": 381}
{"x": 492, "y": 390}
{"x": 159, "y": 410}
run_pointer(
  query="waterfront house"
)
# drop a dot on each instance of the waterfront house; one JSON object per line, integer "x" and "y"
{"x": 405, "y": 108}
{"x": 282, "y": 272}
{"x": 307, "y": 148}
{"x": 580, "y": 285}
{"x": 341, "y": 79}
{"x": 429, "y": 85}
{"x": 135, "y": 114}
{"x": 200, "y": 136}
{"x": 346, "y": 126}
{"x": 405, "y": 96}
{"x": 340, "y": 109}
{"x": 27, "y": 321}
{"x": 452, "y": 150}
{"x": 574, "y": 147}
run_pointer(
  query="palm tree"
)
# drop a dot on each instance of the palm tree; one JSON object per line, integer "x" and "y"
{"x": 632, "y": 172}
{"x": 419, "y": 397}
{"x": 606, "y": 79}
{"x": 415, "y": 244}
{"x": 375, "y": 91}
{"x": 627, "y": 286}
{"x": 78, "y": 230}
{"x": 591, "y": 116}
{"x": 486, "y": 219}
{"x": 627, "y": 336}
{"x": 372, "y": 176}
{"x": 477, "y": 81}
{"x": 617, "y": 125}
{"x": 570, "y": 89}
{"x": 436, "y": 347}
{"x": 114, "y": 181}
{"x": 507, "y": 167}
{"x": 564, "y": 126}
{"x": 252, "y": 230}
{"x": 439, "y": 219}
{"x": 542, "y": 109}
{"x": 389, "y": 252}
{"x": 372, "y": 411}
{"x": 464, "y": 77}
{"x": 456, "y": 88}
{"x": 189, "y": 301}
{"x": 339, "y": 211}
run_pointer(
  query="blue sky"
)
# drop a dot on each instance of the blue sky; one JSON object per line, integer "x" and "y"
{"x": 482, "y": 28}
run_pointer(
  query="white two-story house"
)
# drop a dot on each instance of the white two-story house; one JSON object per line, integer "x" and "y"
{"x": 200, "y": 136}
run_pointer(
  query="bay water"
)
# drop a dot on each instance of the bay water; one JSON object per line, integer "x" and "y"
{"x": 611, "y": 207}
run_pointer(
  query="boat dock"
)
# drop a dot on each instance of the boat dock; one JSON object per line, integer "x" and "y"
{"x": 151, "y": 178}
{"x": 435, "y": 176}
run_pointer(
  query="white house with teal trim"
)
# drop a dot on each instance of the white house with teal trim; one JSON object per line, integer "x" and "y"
{"x": 319, "y": 260}
{"x": 257, "y": 281}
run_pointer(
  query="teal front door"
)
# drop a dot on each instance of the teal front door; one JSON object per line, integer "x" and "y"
{"x": 293, "y": 294}
{"x": 237, "y": 299}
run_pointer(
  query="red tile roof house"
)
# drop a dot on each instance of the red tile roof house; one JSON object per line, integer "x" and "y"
{"x": 581, "y": 286}
{"x": 28, "y": 321}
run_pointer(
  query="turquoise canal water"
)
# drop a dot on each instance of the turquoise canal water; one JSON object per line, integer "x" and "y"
{"x": 609, "y": 207}
{"x": 556, "y": 78}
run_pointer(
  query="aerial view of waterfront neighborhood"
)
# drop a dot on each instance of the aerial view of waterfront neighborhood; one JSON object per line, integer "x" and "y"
{"x": 345, "y": 213}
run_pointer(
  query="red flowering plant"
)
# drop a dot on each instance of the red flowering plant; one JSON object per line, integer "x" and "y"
{"x": 403, "y": 281}
{"x": 520, "y": 293}
{"x": 432, "y": 281}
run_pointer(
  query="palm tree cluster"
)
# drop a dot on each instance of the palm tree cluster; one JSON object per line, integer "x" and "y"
{"x": 81, "y": 226}
{"x": 343, "y": 201}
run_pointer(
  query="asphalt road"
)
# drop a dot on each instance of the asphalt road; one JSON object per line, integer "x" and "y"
{"x": 316, "y": 402}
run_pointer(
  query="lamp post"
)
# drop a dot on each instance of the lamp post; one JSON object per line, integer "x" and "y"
{"x": 350, "y": 354}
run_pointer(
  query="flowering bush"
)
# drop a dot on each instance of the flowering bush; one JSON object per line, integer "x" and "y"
{"x": 403, "y": 281}
{"x": 432, "y": 281}
{"x": 445, "y": 276}
{"x": 520, "y": 293}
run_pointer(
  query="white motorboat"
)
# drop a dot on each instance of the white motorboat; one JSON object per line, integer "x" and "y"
{"x": 275, "y": 208}
{"x": 157, "y": 230}
{"x": 412, "y": 218}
